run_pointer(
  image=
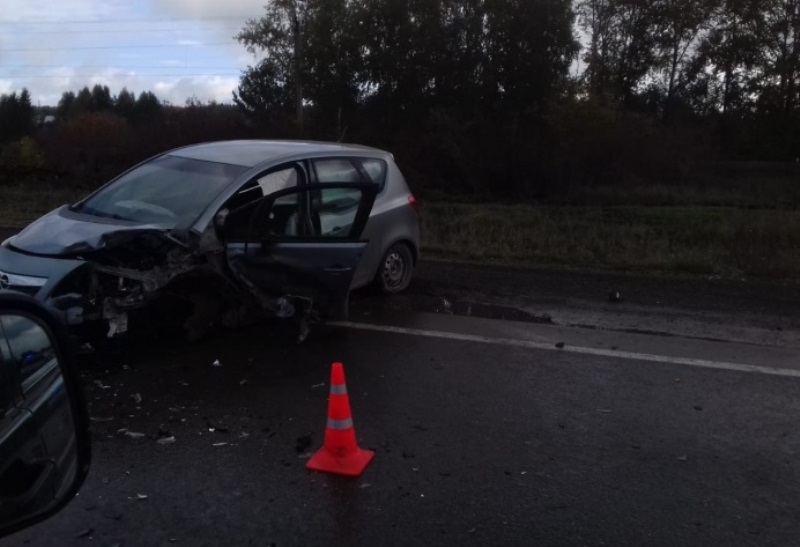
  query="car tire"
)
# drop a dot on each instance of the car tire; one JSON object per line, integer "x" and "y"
{"x": 396, "y": 269}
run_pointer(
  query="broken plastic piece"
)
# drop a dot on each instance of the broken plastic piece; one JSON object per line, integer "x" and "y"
{"x": 137, "y": 398}
{"x": 216, "y": 363}
{"x": 166, "y": 440}
{"x": 285, "y": 308}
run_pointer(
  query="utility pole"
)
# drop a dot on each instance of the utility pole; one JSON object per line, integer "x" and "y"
{"x": 298, "y": 65}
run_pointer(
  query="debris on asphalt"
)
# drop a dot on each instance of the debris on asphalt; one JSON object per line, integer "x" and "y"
{"x": 141, "y": 497}
{"x": 101, "y": 419}
{"x": 166, "y": 440}
{"x": 365, "y": 485}
{"x": 131, "y": 434}
{"x": 101, "y": 385}
{"x": 86, "y": 534}
{"x": 216, "y": 363}
{"x": 137, "y": 398}
{"x": 614, "y": 296}
{"x": 315, "y": 386}
{"x": 303, "y": 442}
{"x": 219, "y": 444}
{"x": 243, "y": 382}
{"x": 698, "y": 407}
{"x": 682, "y": 458}
{"x": 604, "y": 411}
{"x": 560, "y": 345}
{"x": 111, "y": 513}
{"x": 244, "y": 435}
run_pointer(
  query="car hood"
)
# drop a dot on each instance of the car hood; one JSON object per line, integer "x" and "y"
{"x": 66, "y": 233}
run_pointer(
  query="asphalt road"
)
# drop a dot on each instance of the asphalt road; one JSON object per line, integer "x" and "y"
{"x": 486, "y": 433}
{"x": 506, "y": 406}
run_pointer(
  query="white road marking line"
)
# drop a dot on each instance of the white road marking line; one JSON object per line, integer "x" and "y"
{"x": 738, "y": 367}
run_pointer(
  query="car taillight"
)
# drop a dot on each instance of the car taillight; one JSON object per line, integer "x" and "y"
{"x": 413, "y": 202}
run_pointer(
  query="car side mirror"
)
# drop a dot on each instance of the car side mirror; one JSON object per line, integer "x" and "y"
{"x": 220, "y": 219}
{"x": 45, "y": 448}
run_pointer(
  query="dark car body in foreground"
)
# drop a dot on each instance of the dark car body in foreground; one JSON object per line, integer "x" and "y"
{"x": 222, "y": 233}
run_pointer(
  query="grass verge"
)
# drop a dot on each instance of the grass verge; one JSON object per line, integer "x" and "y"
{"x": 19, "y": 205}
{"x": 691, "y": 239}
{"x": 724, "y": 241}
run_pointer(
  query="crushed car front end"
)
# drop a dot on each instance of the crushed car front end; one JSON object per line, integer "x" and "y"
{"x": 99, "y": 274}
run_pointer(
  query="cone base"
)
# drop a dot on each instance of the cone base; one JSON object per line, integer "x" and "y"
{"x": 351, "y": 465}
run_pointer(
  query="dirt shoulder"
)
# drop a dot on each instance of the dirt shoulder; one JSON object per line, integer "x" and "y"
{"x": 754, "y": 311}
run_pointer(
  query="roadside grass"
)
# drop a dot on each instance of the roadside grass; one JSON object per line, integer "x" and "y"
{"x": 692, "y": 239}
{"x": 19, "y": 205}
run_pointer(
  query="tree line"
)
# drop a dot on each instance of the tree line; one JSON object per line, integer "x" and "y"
{"x": 92, "y": 134}
{"x": 492, "y": 98}
{"x": 532, "y": 96}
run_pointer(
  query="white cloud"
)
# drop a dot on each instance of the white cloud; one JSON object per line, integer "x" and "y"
{"x": 52, "y": 47}
{"x": 45, "y": 10}
{"x": 233, "y": 9}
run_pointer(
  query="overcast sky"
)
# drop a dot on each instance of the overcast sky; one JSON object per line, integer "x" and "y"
{"x": 175, "y": 48}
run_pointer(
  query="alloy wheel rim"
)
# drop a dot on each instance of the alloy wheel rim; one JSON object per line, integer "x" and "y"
{"x": 394, "y": 270}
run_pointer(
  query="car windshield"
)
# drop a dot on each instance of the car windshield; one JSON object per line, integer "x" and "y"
{"x": 169, "y": 190}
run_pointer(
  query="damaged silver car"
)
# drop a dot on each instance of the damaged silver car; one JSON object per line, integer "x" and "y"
{"x": 222, "y": 233}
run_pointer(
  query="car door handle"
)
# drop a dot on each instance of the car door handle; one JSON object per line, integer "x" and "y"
{"x": 338, "y": 269}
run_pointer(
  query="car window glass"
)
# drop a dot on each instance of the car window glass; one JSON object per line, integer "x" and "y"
{"x": 375, "y": 169}
{"x": 328, "y": 213}
{"x": 169, "y": 190}
{"x": 336, "y": 170}
{"x": 246, "y": 202}
{"x": 337, "y": 211}
{"x": 278, "y": 180}
{"x": 29, "y": 345}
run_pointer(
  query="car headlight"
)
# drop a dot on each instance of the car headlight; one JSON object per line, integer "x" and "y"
{"x": 9, "y": 280}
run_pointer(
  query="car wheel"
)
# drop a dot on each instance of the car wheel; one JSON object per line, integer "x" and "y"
{"x": 396, "y": 269}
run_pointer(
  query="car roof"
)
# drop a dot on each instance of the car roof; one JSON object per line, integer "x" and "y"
{"x": 249, "y": 153}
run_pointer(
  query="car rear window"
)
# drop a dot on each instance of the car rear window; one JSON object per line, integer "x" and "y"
{"x": 336, "y": 170}
{"x": 376, "y": 169}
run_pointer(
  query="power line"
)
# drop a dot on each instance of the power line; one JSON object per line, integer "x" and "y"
{"x": 105, "y": 31}
{"x": 127, "y": 67}
{"x": 119, "y": 74}
{"x": 148, "y": 46}
{"x": 101, "y": 76}
{"x": 106, "y": 21}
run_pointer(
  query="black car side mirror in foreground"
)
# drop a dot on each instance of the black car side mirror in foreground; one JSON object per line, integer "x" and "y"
{"x": 45, "y": 448}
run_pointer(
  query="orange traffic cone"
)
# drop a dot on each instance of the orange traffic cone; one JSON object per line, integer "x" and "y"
{"x": 340, "y": 454}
